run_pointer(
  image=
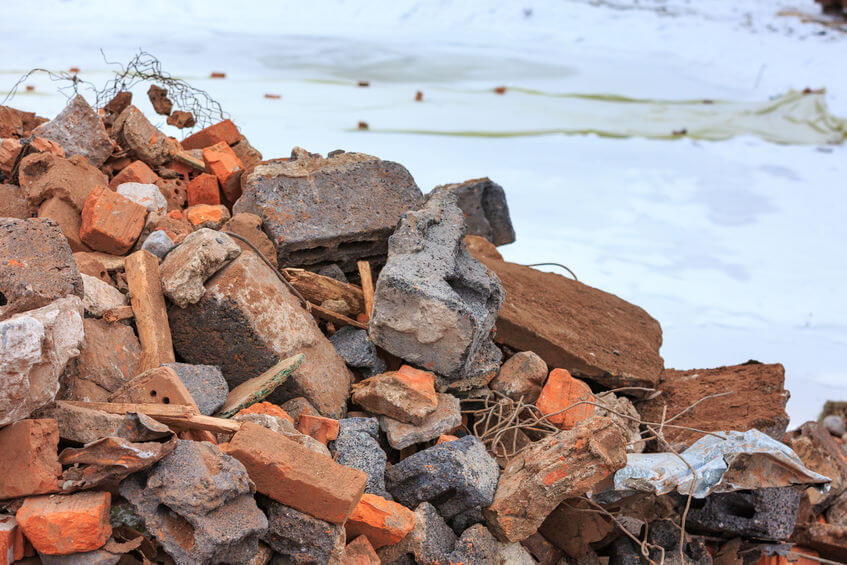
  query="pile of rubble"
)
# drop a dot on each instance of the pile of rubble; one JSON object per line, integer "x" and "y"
{"x": 208, "y": 357}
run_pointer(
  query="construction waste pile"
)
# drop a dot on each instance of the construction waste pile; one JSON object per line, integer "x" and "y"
{"x": 209, "y": 357}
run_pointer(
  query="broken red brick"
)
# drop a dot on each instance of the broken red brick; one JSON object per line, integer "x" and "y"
{"x": 322, "y": 429}
{"x": 445, "y": 438}
{"x": 11, "y": 540}
{"x": 382, "y": 521}
{"x": 137, "y": 171}
{"x": 66, "y": 523}
{"x": 43, "y": 145}
{"x": 295, "y": 475}
{"x": 9, "y": 150}
{"x": 180, "y": 119}
{"x": 111, "y": 222}
{"x": 407, "y": 395}
{"x": 266, "y": 408}
{"x": 562, "y": 391}
{"x": 207, "y": 216}
{"x": 222, "y": 161}
{"x": 203, "y": 189}
{"x": 360, "y": 552}
{"x": 224, "y": 131}
{"x": 63, "y": 213}
{"x": 30, "y": 461}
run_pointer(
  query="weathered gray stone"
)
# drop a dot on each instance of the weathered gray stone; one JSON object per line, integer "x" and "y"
{"x": 205, "y": 383}
{"x": 339, "y": 209}
{"x": 521, "y": 376}
{"x": 303, "y": 539}
{"x": 515, "y": 554}
{"x": 246, "y": 322}
{"x": 99, "y": 296}
{"x": 79, "y": 131}
{"x": 476, "y": 545}
{"x": 455, "y": 476}
{"x": 616, "y": 408}
{"x": 764, "y": 514}
{"x": 198, "y": 257}
{"x": 37, "y": 266}
{"x": 199, "y": 504}
{"x": 36, "y": 345}
{"x": 430, "y": 542}
{"x": 834, "y": 424}
{"x": 446, "y": 416}
{"x": 333, "y": 271}
{"x": 353, "y": 345}
{"x": 484, "y": 205}
{"x": 147, "y": 195}
{"x": 435, "y": 305}
{"x": 357, "y": 447}
{"x": 664, "y": 536}
{"x": 158, "y": 243}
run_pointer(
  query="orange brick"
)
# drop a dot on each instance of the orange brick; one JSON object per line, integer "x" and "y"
{"x": 224, "y": 131}
{"x": 222, "y": 162}
{"x": 360, "y": 552}
{"x": 137, "y": 171}
{"x": 159, "y": 385}
{"x": 203, "y": 189}
{"x": 111, "y": 222}
{"x": 46, "y": 146}
{"x": 62, "y": 524}
{"x": 445, "y": 438}
{"x": 202, "y": 213}
{"x": 11, "y": 540}
{"x": 295, "y": 475}
{"x": 382, "y": 521}
{"x": 9, "y": 149}
{"x": 322, "y": 429}
{"x": 183, "y": 170}
{"x": 266, "y": 408}
{"x": 560, "y": 391}
{"x": 30, "y": 460}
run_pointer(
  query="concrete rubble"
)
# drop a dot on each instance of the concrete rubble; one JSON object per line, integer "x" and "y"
{"x": 208, "y": 357}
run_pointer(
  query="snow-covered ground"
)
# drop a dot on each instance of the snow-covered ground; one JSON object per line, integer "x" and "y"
{"x": 736, "y": 246}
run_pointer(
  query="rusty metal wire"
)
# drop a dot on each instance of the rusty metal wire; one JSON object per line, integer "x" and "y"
{"x": 71, "y": 83}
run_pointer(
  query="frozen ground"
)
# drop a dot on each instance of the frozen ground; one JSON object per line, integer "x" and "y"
{"x": 736, "y": 246}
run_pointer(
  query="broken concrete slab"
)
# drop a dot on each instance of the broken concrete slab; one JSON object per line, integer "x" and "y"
{"x": 79, "y": 131}
{"x": 247, "y": 321}
{"x": 454, "y": 476}
{"x": 146, "y": 143}
{"x": 521, "y": 376}
{"x": 44, "y": 175}
{"x": 763, "y": 514}
{"x": 357, "y": 447}
{"x": 430, "y": 541}
{"x": 445, "y": 418}
{"x": 198, "y": 257}
{"x": 205, "y": 383}
{"x": 560, "y": 466}
{"x": 476, "y": 545}
{"x": 199, "y": 504}
{"x": 100, "y": 297}
{"x": 407, "y": 395}
{"x": 591, "y": 333}
{"x": 357, "y": 350}
{"x": 435, "y": 305}
{"x": 249, "y": 226}
{"x": 483, "y": 203}
{"x": 30, "y": 462}
{"x": 36, "y": 346}
{"x": 301, "y": 538}
{"x": 39, "y": 267}
{"x": 339, "y": 209}
{"x": 147, "y": 195}
{"x": 757, "y": 400}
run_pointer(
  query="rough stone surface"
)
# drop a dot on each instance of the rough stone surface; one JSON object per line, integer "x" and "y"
{"x": 446, "y": 417}
{"x": 430, "y": 541}
{"x": 757, "y": 401}
{"x": 186, "y": 268}
{"x": 198, "y": 503}
{"x": 325, "y": 210}
{"x": 36, "y": 346}
{"x": 764, "y": 514}
{"x": 665, "y": 533}
{"x": 484, "y": 204}
{"x": 98, "y": 296}
{"x": 476, "y": 545}
{"x": 13, "y": 203}
{"x": 145, "y": 142}
{"x": 37, "y": 266}
{"x": 79, "y": 131}
{"x": 205, "y": 383}
{"x": 357, "y": 447}
{"x": 249, "y": 226}
{"x": 353, "y": 345}
{"x": 159, "y": 243}
{"x": 823, "y": 454}
{"x": 30, "y": 461}
{"x": 333, "y": 271}
{"x": 207, "y": 216}
{"x": 435, "y": 305}
{"x": 591, "y": 333}
{"x": 617, "y": 405}
{"x": 565, "y": 465}
{"x": 834, "y": 424}
{"x": 360, "y": 552}
{"x": 515, "y": 554}
{"x": 69, "y": 219}
{"x": 522, "y": 375}
{"x": 246, "y": 322}
{"x": 454, "y": 476}
{"x": 829, "y": 540}
{"x": 146, "y": 195}
{"x": 301, "y": 538}
{"x": 407, "y": 396}
{"x": 110, "y": 356}
{"x": 44, "y": 175}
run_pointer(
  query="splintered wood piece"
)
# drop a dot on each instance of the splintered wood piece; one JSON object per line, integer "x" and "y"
{"x": 258, "y": 388}
{"x": 152, "y": 410}
{"x": 367, "y": 287}
{"x": 148, "y": 304}
{"x": 187, "y": 159}
{"x": 319, "y": 289}
{"x": 200, "y": 422}
{"x": 117, "y": 314}
{"x": 334, "y": 317}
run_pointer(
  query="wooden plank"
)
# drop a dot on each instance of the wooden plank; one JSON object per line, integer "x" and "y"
{"x": 367, "y": 287}
{"x": 200, "y": 422}
{"x": 318, "y": 289}
{"x": 334, "y": 317}
{"x": 148, "y": 305}
{"x": 117, "y": 314}
{"x": 258, "y": 388}
{"x": 153, "y": 410}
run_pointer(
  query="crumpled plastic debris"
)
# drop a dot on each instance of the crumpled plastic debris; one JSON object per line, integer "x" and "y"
{"x": 734, "y": 461}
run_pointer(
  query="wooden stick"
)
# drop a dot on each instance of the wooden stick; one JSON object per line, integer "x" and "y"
{"x": 117, "y": 314}
{"x": 367, "y": 287}
{"x": 258, "y": 388}
{"x": 335, "y": 318}
{"x": 200, "y": 422}
{"x": 148, "y": 304}
{"x": 153, "y": 410}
